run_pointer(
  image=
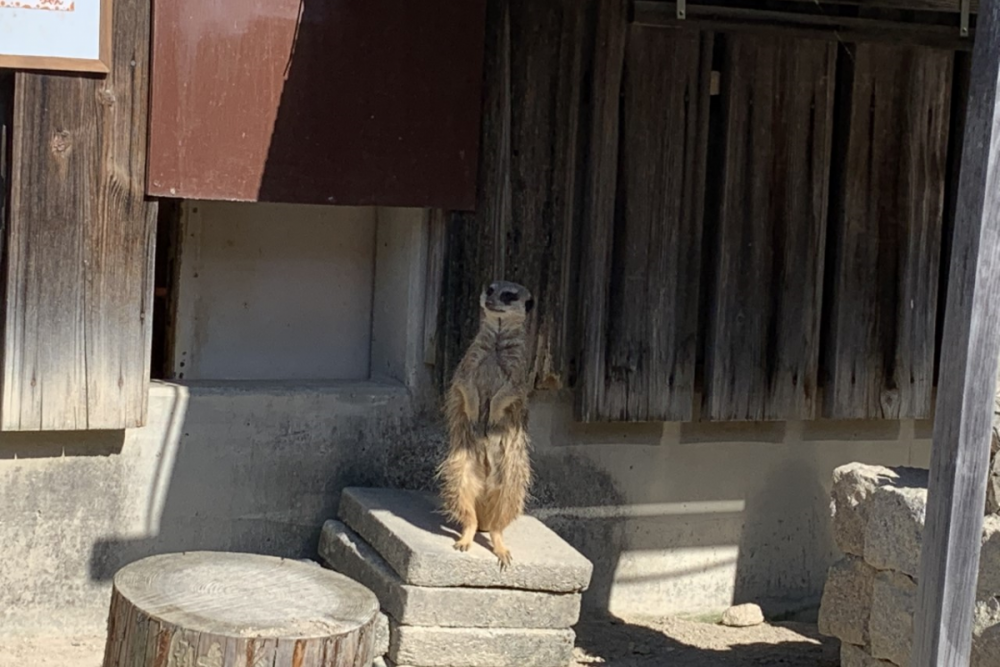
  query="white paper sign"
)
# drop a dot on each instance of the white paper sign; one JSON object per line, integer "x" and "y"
{"x": 66, "y": 32}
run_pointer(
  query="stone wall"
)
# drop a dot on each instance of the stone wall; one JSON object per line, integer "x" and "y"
{"x": 870, "y": 594}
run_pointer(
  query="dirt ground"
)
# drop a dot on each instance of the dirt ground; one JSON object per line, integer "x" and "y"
{"x": 674, "y": 642}
{"x": 668, "y": 642}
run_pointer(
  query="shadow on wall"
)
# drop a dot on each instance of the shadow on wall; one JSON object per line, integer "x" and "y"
{"x": 374, "y": 105}
{"x": 255, "y": 471}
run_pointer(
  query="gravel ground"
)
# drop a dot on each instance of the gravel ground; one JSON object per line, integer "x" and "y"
{"x": 668, "y": 642}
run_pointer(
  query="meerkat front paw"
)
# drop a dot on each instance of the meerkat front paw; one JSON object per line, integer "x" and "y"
{"x": 462, "y": 544}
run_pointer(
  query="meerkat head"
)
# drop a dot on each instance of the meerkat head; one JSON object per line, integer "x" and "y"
{"x": 507, "y": 301}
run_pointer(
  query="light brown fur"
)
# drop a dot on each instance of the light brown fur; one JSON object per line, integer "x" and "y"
{"x": 487, "y": 472}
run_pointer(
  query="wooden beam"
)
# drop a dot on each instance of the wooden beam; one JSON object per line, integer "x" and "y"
{"x": 808, "y": 25}
{"x": 949, "y": 565}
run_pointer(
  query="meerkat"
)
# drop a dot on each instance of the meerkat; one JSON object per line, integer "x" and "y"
{"x": 487, "y": 471}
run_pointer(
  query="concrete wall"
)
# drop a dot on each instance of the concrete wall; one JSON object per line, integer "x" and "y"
{"x": 274, "y": 292}
{"x": 677, "y": 518}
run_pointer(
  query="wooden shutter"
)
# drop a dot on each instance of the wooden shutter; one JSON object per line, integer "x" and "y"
{"x": 536, "y": 53}
{"x": 762, "y": 352}
{"x": 336, "y": 102}
{"x": 80, "y": 244}
{"x": 642, "y": 227}
{"x": 887, "y": 234}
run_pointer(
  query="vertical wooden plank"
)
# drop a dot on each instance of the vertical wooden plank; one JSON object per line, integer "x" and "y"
{"x": 81, "y": 242}
{"x": 598, "y": 214}
{"x": 546, "y": 79}
{"x": 524, "y": 225}
{"x": 762, "y": 352}
{"x": 888, "y": 234}
{"x": 949, "y": 563}
{"x": 652, "y": 329}
{"x": 472, "y": 258}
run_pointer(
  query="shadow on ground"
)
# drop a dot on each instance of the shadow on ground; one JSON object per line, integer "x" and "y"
{"x": 613, "y": 642}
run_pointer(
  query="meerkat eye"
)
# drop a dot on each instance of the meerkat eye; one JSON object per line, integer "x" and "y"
{"x": 508, "y": 297}
{"x": 489, "y": 291}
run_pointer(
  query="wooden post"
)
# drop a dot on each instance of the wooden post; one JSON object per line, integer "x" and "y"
{"x": 942, "y": 628}
{"x": 238, "y": 610}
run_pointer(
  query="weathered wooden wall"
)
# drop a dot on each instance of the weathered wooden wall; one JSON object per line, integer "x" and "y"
{"x": 80, "y": 242}
{"x": 717, "y": 224}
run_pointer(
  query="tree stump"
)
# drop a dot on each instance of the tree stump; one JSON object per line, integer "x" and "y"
{"x": 208, "y": 609}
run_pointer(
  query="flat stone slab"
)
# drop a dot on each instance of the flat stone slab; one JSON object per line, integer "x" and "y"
{"x": 408, "y": 531}
{"x": 345, "y": 551}
{"x": 480, "y": 647}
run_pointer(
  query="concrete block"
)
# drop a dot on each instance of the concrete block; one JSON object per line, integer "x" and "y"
{"x": 890, "y": 627}
{"x": 480, "y": 647}
{"x": 895, "y": 526}
{"x": 407, "y": 530}
{"x": 345, "y": 551}
{"x": 852, "y": 484}
{"x": 846, "y": 602}
{"x": 855, "y": 656}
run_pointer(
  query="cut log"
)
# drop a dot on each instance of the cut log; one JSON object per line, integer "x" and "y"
{"x": 209, "y": 609}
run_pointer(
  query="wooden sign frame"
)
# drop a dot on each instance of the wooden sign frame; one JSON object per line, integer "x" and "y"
{"x": 99, "y": 65}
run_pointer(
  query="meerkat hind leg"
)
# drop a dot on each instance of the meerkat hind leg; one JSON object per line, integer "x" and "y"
{"x": 500, "y": 549}
{"x": 467, "y": 515}
{"x": 462, "y": 485}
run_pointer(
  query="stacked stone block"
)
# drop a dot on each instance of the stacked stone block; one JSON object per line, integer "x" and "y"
{"x": 446, "y": 608}
{"x": 870, "y": 594}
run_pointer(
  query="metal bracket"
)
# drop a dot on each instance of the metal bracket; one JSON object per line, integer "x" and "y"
{"x": 964, "y": 21}
{"x": 682, "y": 9}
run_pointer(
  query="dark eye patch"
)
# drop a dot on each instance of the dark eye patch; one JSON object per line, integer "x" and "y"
{"x": 489, "y": 291}
{"x": 508, "y": 297}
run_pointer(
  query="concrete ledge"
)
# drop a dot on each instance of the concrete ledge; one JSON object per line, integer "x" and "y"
{"x": 344, "y": 551}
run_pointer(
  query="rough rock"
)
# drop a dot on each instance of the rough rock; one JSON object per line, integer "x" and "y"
{"x": 846, "y": 602}
{"x": 408, "y": 531}
{"x": 855, "y": 656}
{"x": 345, "y": 551}
{"x": 852, "y": 484}
{"x": 988, "y": 584}
{"x": 895, "y": 525}
{"x": 743, "y": 616}
{"x": 381, "y": 634}
{"x": 890, "y": 627}
{"x": 993, "y": 472}
{"x": 986, "y": 634}
{"x": 480, "y": 647}
{"x": 993, "y": 481}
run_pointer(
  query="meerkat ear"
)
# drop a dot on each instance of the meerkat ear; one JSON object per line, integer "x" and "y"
{"x": 529, "y": 305}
